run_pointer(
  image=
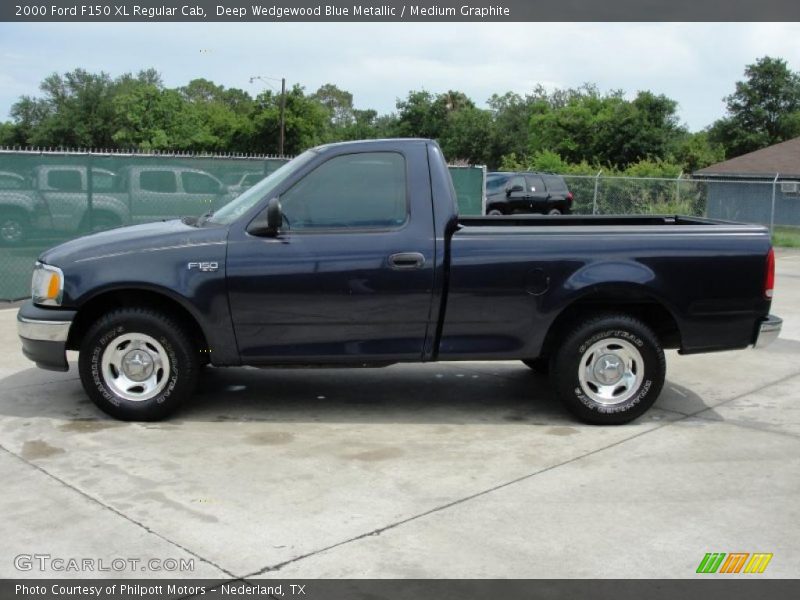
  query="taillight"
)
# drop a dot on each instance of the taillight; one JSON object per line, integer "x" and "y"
{"x": 569, "y": 197}
{"x": 769, "y": 278}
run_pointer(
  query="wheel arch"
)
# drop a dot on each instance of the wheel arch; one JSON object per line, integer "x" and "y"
{"x": 140, "y": 297}
{"x": 626, "y": 298}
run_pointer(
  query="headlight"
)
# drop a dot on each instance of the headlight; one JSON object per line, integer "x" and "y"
{"x": 47, "y": 286}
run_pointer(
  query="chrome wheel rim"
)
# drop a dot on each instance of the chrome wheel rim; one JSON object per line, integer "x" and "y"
{"x": 611, "y": 371}
{"x": 135, "y": 366}
{"x": 11, "y": 231}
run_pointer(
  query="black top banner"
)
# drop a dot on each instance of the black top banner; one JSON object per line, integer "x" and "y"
{"x": 398, "y": 10}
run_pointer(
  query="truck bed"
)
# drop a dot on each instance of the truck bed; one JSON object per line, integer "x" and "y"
{"x": 511, "y": 276}
{"x": 528, "y": 220}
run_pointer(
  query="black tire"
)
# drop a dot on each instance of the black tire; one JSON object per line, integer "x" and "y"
{"x": 14, "y": 227}
{"x": 539, "y": 365}
{"x": 554, "y": 212}
{"x": 158, "y": 335}
{"x": 614, "y": 335}
{"x": 495, "y": 212}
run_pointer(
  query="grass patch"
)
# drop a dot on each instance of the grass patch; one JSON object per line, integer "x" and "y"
{"x": 786, "y": 237}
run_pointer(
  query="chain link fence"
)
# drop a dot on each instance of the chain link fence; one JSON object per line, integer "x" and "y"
{"x": 48, "y": 197}
{"x": 769, "y": 202}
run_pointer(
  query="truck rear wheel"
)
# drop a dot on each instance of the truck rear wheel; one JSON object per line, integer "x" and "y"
{"x": 609, "y": 369}
{"x": 137, "y": 364}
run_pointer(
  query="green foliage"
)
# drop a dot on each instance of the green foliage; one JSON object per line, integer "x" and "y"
{"x": 8, "y": 134}
{"x": 573, "y": 131}
{"x": 763, "y": 110}
{"x": 584, "y": 125}
{"x": 786, "y": 237}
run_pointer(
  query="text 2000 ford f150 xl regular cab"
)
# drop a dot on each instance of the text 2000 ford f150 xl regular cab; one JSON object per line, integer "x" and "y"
{"x": 353, "y": 254}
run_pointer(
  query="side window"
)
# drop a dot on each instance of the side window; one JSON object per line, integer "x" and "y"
{"x": 555, "y": 183}
{"x": 65, "y": 180}
{"x": 103, "y": 181}
{"x": 518, "y": 180}
{"x": 199, "y": 183}
{"x": 496, "y": 185}
{"x": 366, "y": 190}
{"x": 535, "y": 184}
{"x": 158, "y": 181}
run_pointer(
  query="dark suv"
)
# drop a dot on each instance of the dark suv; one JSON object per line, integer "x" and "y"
{"x": 514, "y": 193}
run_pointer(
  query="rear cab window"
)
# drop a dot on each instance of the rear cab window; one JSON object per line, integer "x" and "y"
{"x": 158, "y": 181}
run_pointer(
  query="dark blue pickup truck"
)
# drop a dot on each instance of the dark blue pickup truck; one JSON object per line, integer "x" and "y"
{"x": 353, "y": 254}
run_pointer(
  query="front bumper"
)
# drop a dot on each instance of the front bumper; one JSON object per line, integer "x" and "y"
{"x": 768, "y": 331}
{"x": 44, "y": 333}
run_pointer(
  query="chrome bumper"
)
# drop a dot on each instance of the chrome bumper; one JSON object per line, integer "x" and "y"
{"x": 43, "y": 331}
{"x": 768, "y": 331}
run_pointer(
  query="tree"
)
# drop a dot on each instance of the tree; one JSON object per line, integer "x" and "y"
{"x": 417, "y": 116}
{"x": 695, "y": 151}
{"x": 224, "y": 116}
{"x": 763, "y": 110}
{"x": 149, "y": 118}
{"x": 510, "y": 133}
{"x": 29, "y": 113}
{"x": 467, "y": 135}
{"x": 339, "y": 104}
{"x": 307, "y": 122}
{"x": 583, "y": 125}
{"x": 8, "y": 134}
{"x": 81, "y": 110}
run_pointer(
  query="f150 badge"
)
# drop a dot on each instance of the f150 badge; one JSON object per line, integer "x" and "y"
{"x": 203, "y": 266}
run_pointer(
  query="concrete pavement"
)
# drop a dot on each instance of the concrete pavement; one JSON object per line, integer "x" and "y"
{"x": 445, "y": 470}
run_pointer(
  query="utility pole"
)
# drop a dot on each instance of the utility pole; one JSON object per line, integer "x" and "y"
{"x": 265, "y": 79}
{"x": 283, "y": 115}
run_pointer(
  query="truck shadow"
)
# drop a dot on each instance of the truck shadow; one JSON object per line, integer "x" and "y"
{"x": 446, "y": 393}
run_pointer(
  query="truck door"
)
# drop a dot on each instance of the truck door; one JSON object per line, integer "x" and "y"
{"x": 536, "y": 194}
{"x": 350, "y": 277}
{"x": 153, "y": 193}
{"x": 64, "y": 191}
{"x": 516, "y": 194}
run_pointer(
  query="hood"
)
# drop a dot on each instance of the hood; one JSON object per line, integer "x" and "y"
{"x": 145, "y": 238}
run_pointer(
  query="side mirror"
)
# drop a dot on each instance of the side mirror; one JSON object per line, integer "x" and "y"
{"x": 513, "y": 189}
{"x": 270, "y": 224}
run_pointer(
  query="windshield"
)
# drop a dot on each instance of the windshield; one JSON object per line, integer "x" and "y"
{"x": 248, "y": 199}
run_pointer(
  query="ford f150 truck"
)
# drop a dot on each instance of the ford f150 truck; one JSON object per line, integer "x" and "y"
{"x": 353, "y": 254}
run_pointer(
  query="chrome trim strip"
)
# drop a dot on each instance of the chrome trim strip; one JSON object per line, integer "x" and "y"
{"x": 768, "y": 331}
{"x": 46, "y": 331}
{"x": 158, "y": 249}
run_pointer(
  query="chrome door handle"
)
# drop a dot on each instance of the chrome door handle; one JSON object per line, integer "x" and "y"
{"x": 406, "y": 261}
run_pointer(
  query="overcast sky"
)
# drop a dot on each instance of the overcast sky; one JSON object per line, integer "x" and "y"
{"x": 695, "y": 64}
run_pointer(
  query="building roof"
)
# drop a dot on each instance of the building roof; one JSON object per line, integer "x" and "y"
{"x": 783, "y": 158}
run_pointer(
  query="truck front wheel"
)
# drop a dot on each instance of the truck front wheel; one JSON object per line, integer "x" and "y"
{"x": 609, "y": 369}
{"x": 137, "y": 364}
{"x": 14, "y": 226}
